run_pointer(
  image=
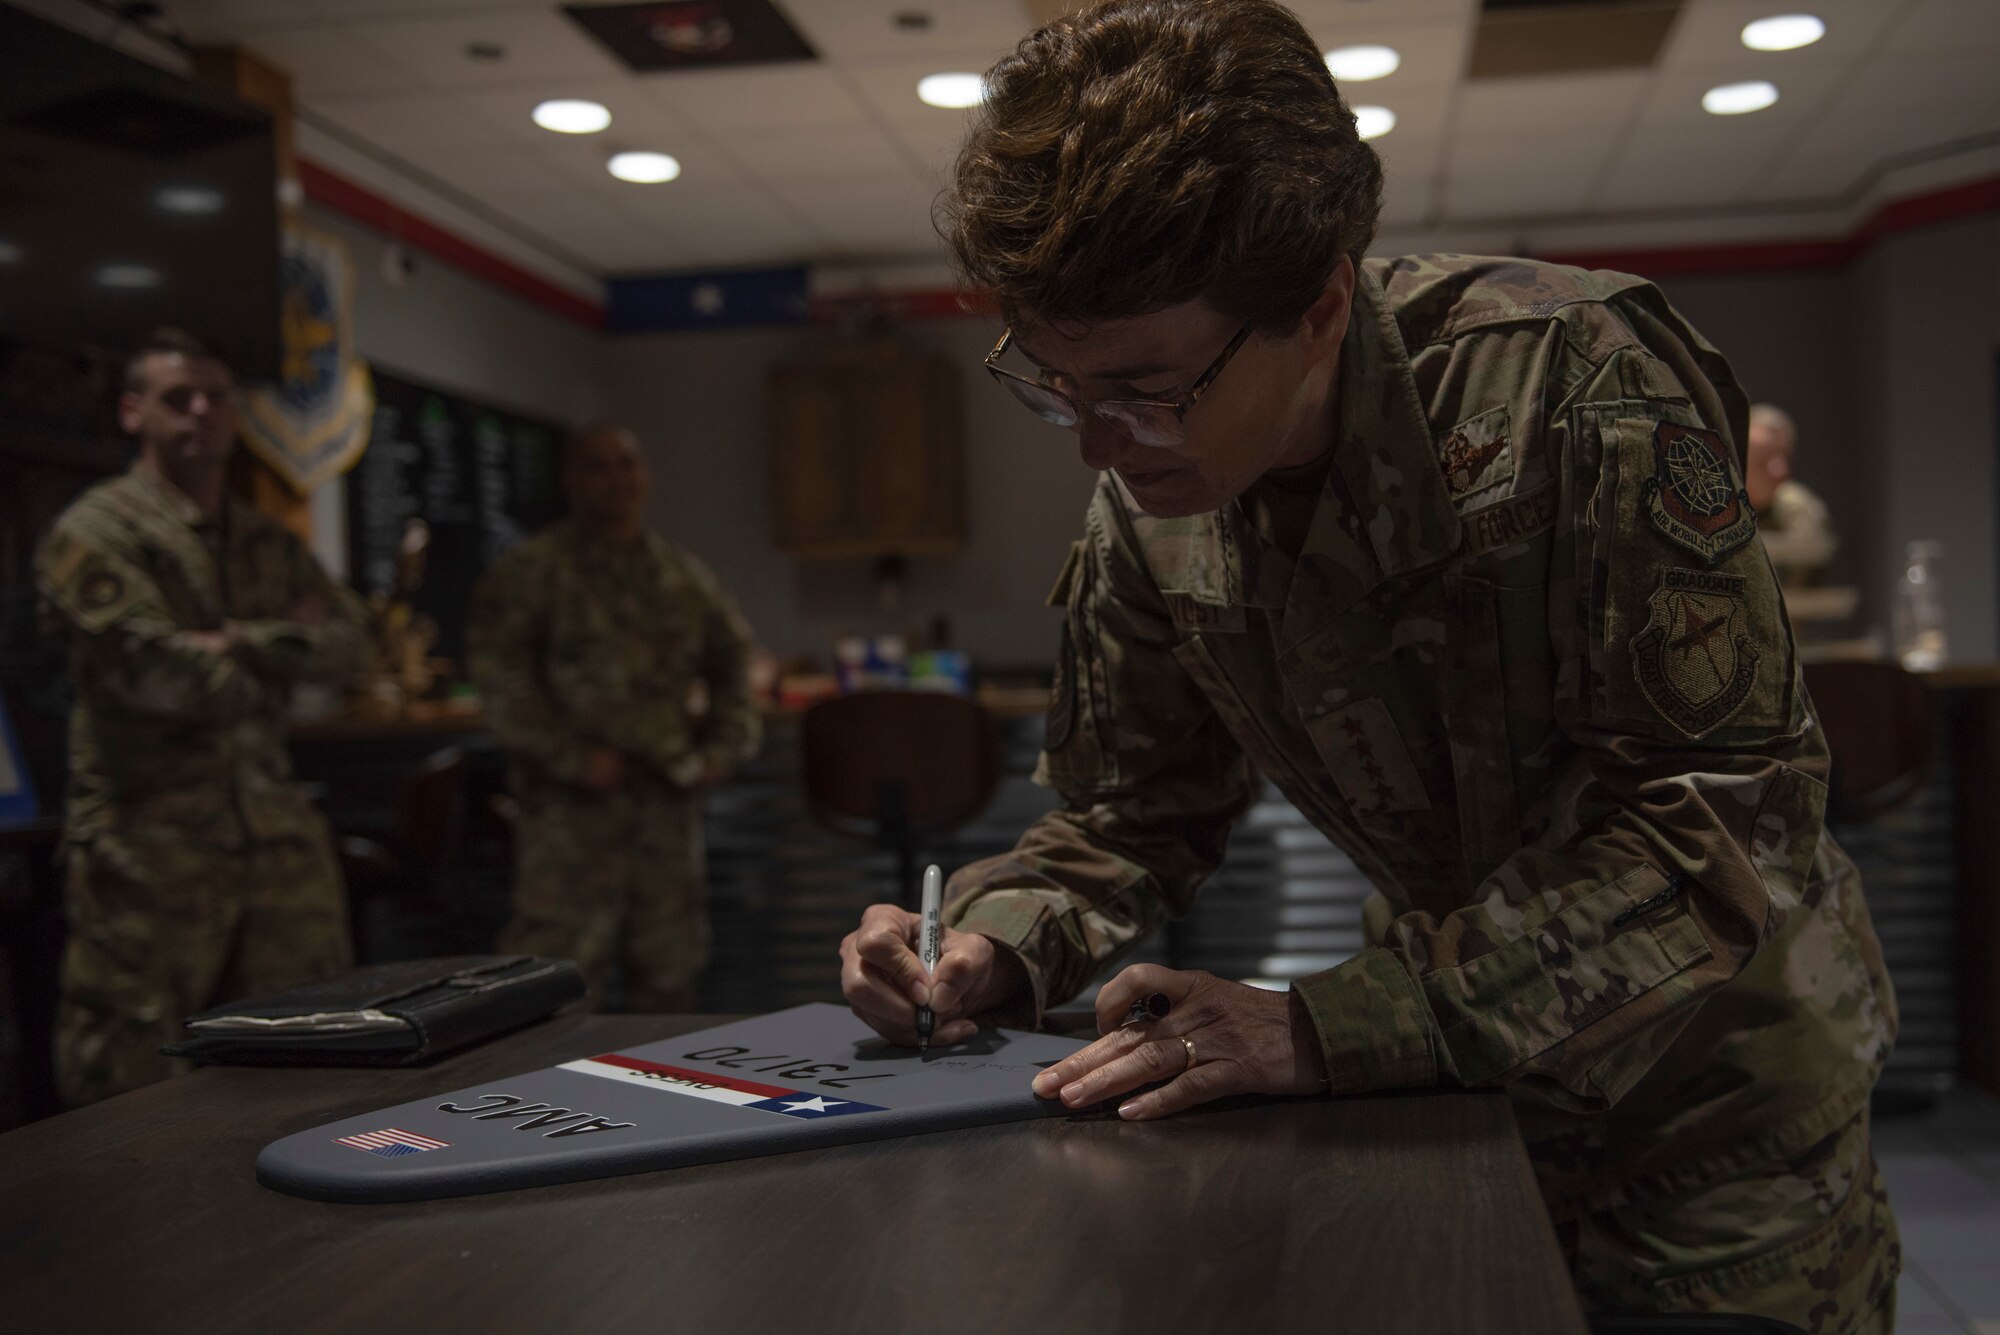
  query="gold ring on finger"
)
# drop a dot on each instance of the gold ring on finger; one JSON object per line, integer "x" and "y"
{"x": 1188, "y": 1043}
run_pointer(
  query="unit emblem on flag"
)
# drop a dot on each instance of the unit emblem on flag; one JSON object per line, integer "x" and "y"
{"x": 1693, "y": 496}
{"x": 1693, "y": 660}
{"x": 392, "y": 1143}
{"x": 314, "y": 422}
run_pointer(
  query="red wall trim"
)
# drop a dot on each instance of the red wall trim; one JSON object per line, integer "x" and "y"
{"x": 1895, "y": 217}
{"x": 336, "y": 192}
{"x": 333, "y": 191}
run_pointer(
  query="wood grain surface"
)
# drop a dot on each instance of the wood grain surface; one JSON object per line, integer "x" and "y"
{"x": 1372, "y": 1215}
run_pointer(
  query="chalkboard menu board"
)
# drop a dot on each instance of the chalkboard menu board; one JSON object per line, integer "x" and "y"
{"x": 481, "y": 477}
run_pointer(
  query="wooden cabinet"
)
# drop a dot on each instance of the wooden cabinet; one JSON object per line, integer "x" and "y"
{"x": 867, "y": 453}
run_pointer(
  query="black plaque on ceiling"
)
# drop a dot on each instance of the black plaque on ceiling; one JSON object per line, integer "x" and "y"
{"x": 693, "y": 34}
{"x": 481, "y": 477}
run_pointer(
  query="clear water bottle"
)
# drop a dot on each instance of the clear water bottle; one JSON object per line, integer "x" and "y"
{"x": 1920, "y": 641}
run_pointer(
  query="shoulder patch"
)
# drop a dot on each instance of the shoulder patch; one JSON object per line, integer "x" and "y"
{"x": 1478, "y": 455}
{"x": 1694, "y": 497}
{"x": 1695, "y": 659}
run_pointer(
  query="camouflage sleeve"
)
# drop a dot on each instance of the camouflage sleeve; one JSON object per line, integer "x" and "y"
{"x": 129, "y": 648}
{"x": 505, "y": 633}
{"x": 734, "y": 729}
{"x": 326, "y": 638}
{"x": 1680, "y": 826}
{"x": 1150, "y": 781}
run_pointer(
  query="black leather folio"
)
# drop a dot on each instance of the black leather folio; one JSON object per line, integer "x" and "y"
{"x": 402, "y": 1014}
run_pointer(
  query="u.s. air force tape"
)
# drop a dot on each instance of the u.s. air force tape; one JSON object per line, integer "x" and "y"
{"x": 798, "y": 1079}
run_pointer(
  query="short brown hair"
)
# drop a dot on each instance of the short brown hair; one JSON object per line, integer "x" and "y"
{"x": 165, "y": 341}
{"x": 1150, "y": 152}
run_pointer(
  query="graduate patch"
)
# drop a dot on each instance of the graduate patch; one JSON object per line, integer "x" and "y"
{"x": 1478, "y": 455}
{"x": 1693, "y": 659}
{"x": 100, "y": 589}
{"x": 1693, "y": 496}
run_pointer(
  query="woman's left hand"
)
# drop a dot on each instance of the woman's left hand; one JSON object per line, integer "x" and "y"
{"x": 1219, "y": 1038}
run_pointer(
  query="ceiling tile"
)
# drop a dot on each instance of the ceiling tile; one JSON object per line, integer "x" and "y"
{"x": 1513, "y": 178}
{"x": 490, "y": 171}
{"x": 1911, "y": 86}
{"x": 1675, "y": 97}
{"x": 329, "y": 62}
{"x": 863, "y": 32}
{"x": 1503, "y": 108}
{"x": 885, "y": 216}
{"x": 636, "y": 120}
{"x": 1946, "y": 27}
{"x": 774, "y": 97}
{"x": 861, "y": 150}
{"x": 1672, "y": 170}
{"x": 1433, "y": 55}
{"x": 891, "y": 92}
{"x": 1709, "y": 36}
{"x": 539, "y": 44}
{"x": 1319, "y": 15}
{"x": 1840, "y": 151}
{"x": 733, "y": 225}
{"x": 407, "y": 123}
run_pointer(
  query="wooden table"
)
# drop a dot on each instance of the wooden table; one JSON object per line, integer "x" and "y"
{"x": 1388, "y": 1214}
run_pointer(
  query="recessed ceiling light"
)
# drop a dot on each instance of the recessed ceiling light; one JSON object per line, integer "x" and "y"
{"x": 645, "y": 168}
{"x": 9, "y": 253}
{"x": 1358, "y": 64}
{"x": 191, "y": 201}
{"x": 568, "y": 115}
{"x": 1783, "y": 32}
{"x": 1373, "y": 122}
{"x": 952, "y": 90}
{"x": 1734, "y": 99}
{"x": 128, "y": 275}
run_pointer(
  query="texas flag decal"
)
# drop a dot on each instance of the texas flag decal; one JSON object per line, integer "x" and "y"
{"x": 718, "y": 1088}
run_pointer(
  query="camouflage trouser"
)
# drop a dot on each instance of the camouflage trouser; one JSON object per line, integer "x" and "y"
{"x": 1812, "y": 1242}
{"x": 160, "y": 928}
{"x": 614, "y": 880}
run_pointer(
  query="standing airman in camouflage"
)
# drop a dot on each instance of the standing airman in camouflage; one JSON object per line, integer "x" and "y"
{"x": 614, "y": 671}
{"x": 198, "y": 870}
{"x": 1455, "y": 552}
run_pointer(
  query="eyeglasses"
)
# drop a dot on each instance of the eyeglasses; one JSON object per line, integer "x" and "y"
{"x": 1145, "y": 421}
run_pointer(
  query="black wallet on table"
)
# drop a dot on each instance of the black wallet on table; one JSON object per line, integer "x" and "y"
{"x": 402, "y": 1014}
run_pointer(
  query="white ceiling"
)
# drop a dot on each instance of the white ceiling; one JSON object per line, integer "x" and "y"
{"x": 837, "y": 161}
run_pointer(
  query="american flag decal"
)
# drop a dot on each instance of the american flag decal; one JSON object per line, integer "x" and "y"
{"x": 391, "y": 1142}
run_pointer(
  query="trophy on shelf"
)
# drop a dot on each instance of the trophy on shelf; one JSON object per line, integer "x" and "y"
{"x": 403, "y": 635}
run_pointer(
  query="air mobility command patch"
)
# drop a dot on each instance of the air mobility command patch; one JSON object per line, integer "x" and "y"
{"x": 1693, "y": 496}
{"x": 1478, "y": 455}
{"x": 1694, "y": 660}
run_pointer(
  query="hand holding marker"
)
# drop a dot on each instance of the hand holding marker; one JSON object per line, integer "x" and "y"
{"x": 932, "y": 932}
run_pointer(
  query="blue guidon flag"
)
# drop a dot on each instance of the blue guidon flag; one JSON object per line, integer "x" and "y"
{"x": 718, "y": 1088}
{"x": 392, "y": 1142}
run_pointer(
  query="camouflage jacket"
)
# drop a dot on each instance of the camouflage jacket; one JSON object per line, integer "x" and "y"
{"x": 167, "y": 733}
{"x": 574, "y": 648}
{"x": 1532, "y": 673}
